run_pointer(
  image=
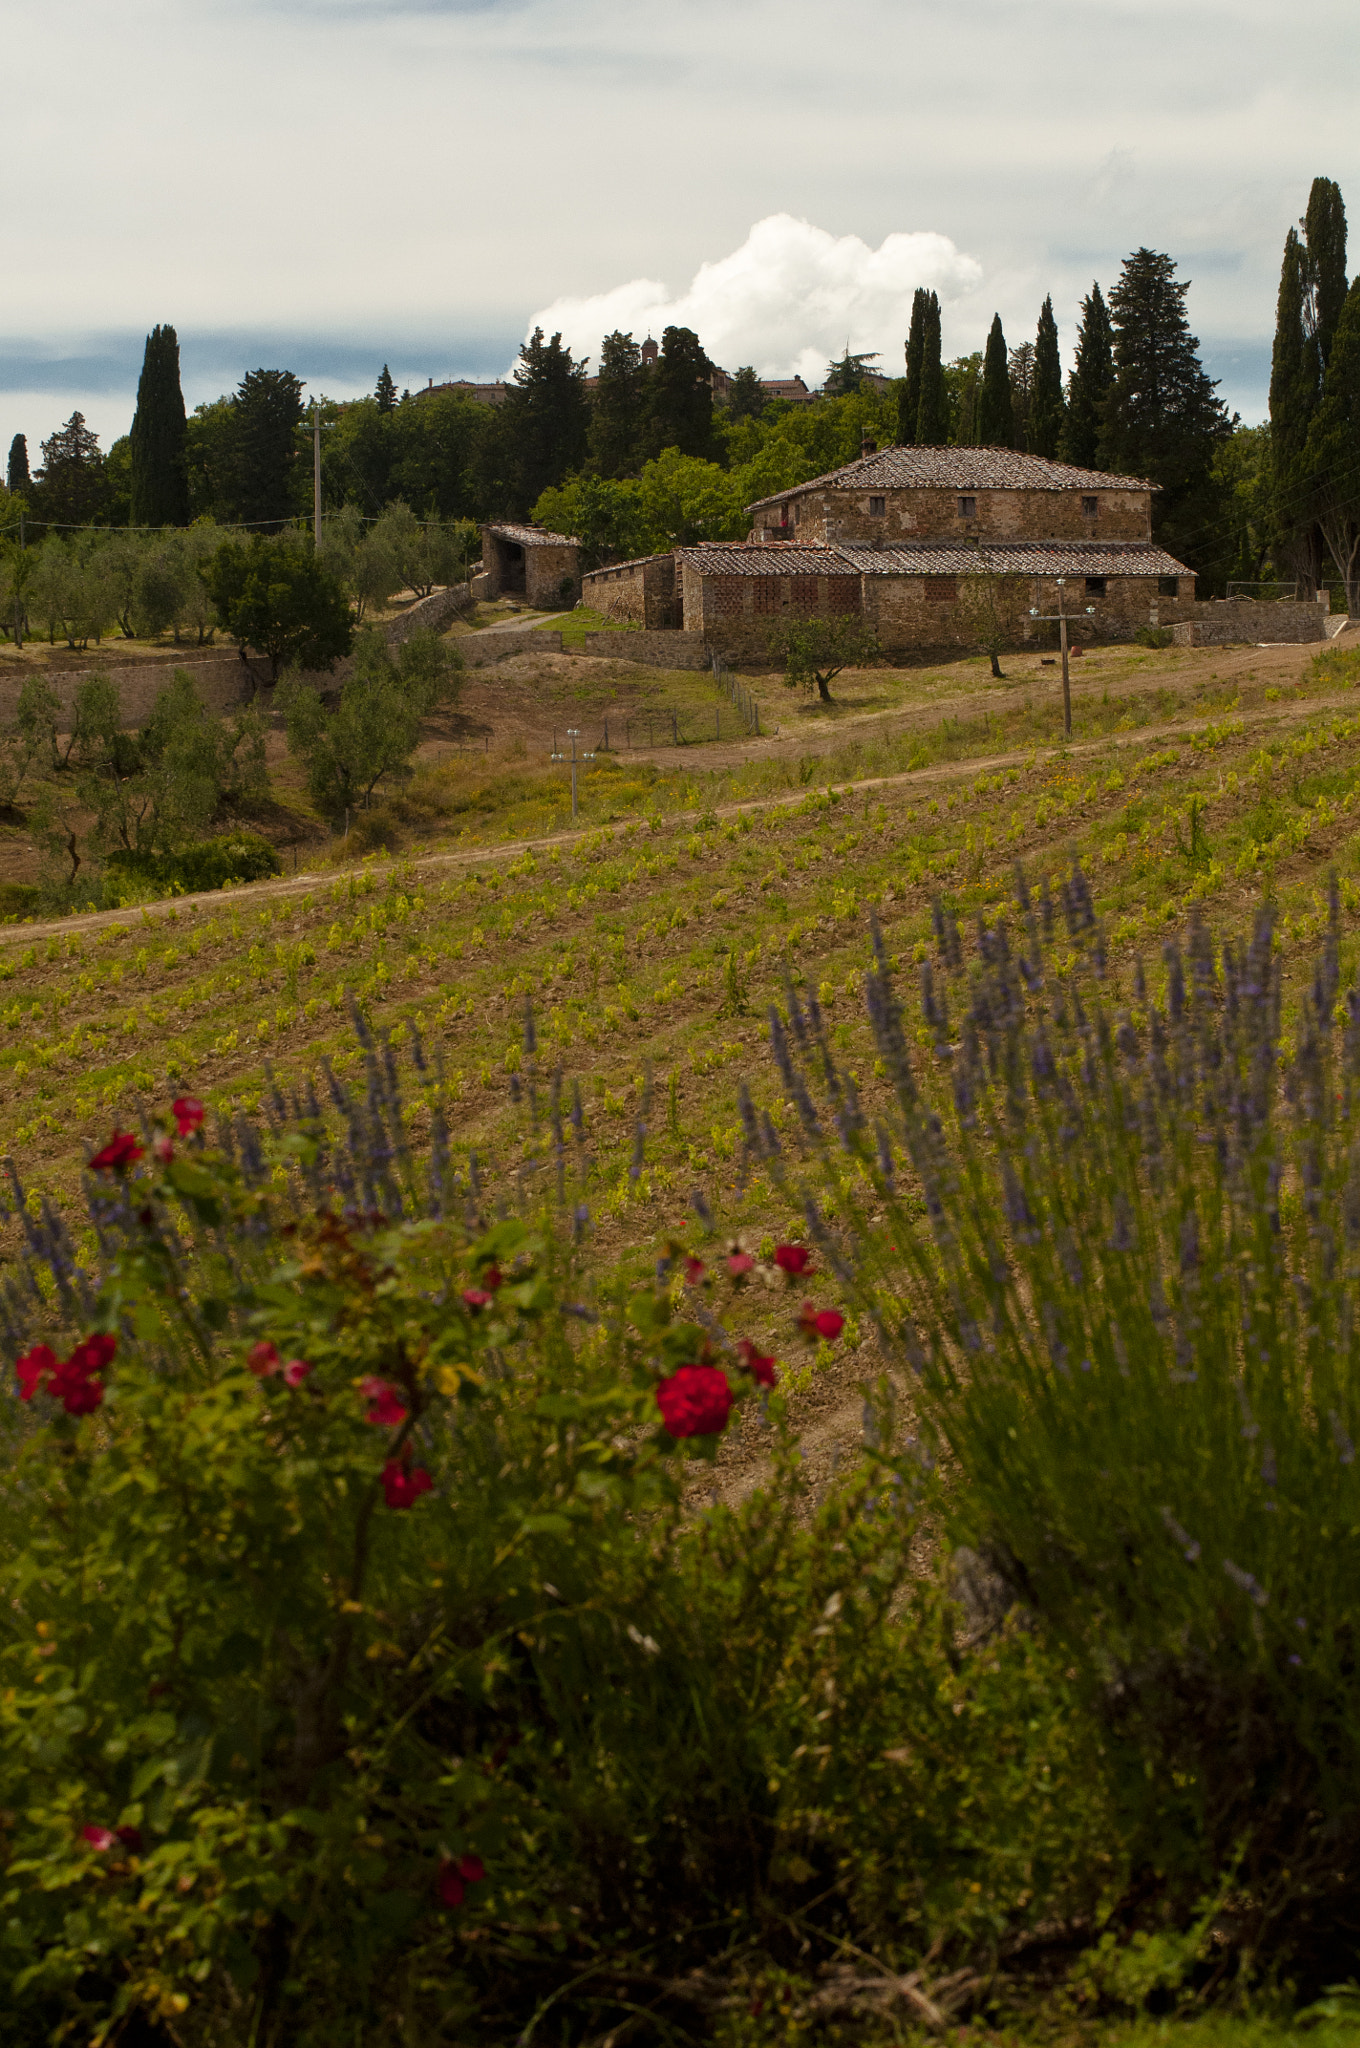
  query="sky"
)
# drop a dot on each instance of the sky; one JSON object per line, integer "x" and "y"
{"x": 328, "y": 185}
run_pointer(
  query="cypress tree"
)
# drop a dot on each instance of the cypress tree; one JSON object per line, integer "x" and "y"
{"x": 1294, "y": 393}
{"x": 385, "y": 391}
{"x": 17, "y": 476}
{"x": 1021, "y": 370}
{"x": 682, "y": 395}
{"x": 996, "y": 427}
{"x": 159, "y": 437}
{"x": 931, "y": 421}
{"x": 909, "y": 397}
{"x": 1163, "y": 419}
{"x": 1046, "y": 398}
{"x": 1331, "y": 456}
{"x": 262, "y": 467}
{"x": 1324, "y": 235}
{"x": 1089, "y": 385}
{"x": 618, "y": 417}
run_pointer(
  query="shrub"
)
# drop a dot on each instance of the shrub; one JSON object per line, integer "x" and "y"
{"x": 220, "y": 863}
{"x": 1127, "y": 1233}
{"x": 364, "y": 1677}
{"x": 1153, "y": 636}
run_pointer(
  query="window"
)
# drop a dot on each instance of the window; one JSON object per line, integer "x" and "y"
{"x": 843, "y": 596}
{"x": 803, "y": 595}
{"x": 1168, "y": 586}
{"x": 1089, "y": 507}
{"x": 877, "y": 508}
{"x": 941, "y": 589}
{"x": 1095, "y": 586}
{"x": 967, "y": 508}
{"x": 768, "y": 595}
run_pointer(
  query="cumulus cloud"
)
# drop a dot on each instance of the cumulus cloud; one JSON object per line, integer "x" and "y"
{"x": 787, "y": 301}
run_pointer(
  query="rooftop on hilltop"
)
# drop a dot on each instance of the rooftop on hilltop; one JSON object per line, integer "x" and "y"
{"x": 958, "y": 469}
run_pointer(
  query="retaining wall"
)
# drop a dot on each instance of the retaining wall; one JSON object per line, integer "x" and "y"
{"x": 1225, "y": 621}
{"x": 657, "y": 650}
{"x": 480, "y": 649}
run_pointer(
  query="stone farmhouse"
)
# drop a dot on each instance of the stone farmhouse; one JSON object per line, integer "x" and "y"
{"x": 527, "y": 561}
{"x": 914, "y": 541}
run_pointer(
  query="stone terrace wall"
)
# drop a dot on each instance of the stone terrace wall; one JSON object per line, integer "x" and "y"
{"x": 1224, "y": 621}
{"x": 222, "y": 680}
{"x": 657, "y": 650}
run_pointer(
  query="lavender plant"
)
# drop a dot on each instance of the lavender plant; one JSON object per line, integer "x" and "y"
{"x": 1110, "y": 1236}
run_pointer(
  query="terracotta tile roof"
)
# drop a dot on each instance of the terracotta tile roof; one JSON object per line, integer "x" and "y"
{"x": 772, "y": 558}
{"x": 1015, "y": 558}
{"x": 962, "y": 469}
{"x": 534, "y": 536}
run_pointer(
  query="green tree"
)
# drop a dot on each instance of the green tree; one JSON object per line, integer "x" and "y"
{"x": 159, "y": 438}
{"x": 263, "y": 472}
{"x": 1088, "y": 387}
{"x": 385, "y": 392}
{"x": 375, "y": 728}
{"x": 814, "y": 651}
{"x": 745, "y": 395}
{"x": 423, "y": 552}
{"x": 685, "y": 500}
{"x": 680, "y": 396}
{"x": 208, "y": 445}
{"x": 70, "y": 487}
{"x": 605, "y": 513}
{"x": 1295, "y": 387}
{"x": 1242, "y": 470}
{"x": 931, "y": 415}
{"x": 1331, "y": 456}
{"x": 1020, "y": 370}
{"x": 1163, "y": 419}
{"x": 1046, "y": 401}
{"x": 1324, "y": 241}
{"x": 909, "y": 397}
{"x": 279, "y": 598}
{"x": 619, "y": 411}
{"x": 996, "y": 423}
{"x": 843, "y": 378}
{"x": 17, "y": 478}
{"x": 545, "y": 419}
{"x": 962, "y": 389}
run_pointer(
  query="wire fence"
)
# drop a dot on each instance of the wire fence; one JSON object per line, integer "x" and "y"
{"x": 743, "y": 702}
{"x": 671, "y": 725}
{"x": 1271, "y": 593}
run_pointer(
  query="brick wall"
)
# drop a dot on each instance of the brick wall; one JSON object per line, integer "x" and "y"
{"x": 936, "y": 515}
{"x": 635, "y": 593}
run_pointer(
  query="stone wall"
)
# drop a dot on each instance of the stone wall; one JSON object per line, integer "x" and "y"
{"x": 479, "y": 649}
{"x": 635, "y": 593}
{"x": 430, "y": 613}
{"x": 222, "y": 679}
{"x": 938, "y": 515}
{"x": 1225, "y": 622}
{"x": 658, "y": 650}
{"x": 536, "y": 570}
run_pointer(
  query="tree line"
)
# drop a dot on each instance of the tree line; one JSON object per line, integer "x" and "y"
{"x": 644, "y": 457}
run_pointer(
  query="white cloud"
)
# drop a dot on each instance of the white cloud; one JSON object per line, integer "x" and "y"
{"x": 790, "y": 298}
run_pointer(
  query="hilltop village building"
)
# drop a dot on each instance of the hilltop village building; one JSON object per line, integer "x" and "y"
{"x": 914, "y": 541}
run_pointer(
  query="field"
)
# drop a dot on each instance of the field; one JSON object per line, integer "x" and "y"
{"x": 649, "y": 942}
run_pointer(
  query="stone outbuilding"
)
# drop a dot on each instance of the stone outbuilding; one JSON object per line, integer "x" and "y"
{"x": 526, "y": 561}
{"x": 896, "y": 494}
{"x": 640, "y": 593}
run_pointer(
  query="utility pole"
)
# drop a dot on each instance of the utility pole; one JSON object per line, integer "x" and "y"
{"x": 316, "y": 473}
{"x": 1059, "y": 619}
{"x": 573, "y": 734}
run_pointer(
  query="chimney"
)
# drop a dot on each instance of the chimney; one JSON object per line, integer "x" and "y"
{"x": 430, "y": 384}
{"x": 868, "y": 446}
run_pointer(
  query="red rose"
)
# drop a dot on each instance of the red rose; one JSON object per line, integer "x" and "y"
{"x": 492, "y": 1278}
{"x": 820, "y": 1322}
{"x": 761, "y": 1368}
{"x": 385, "y": 1405}
{"x": 694, "y": 1270}
{"x": 475, "y": 1297}
{"x": 93, "y": 1354}
{"x": 402, "y": 1486}
{"x": 263, "y": 1359}
{"x": 187, "y": 1111}
{"x": 792, "y": 1258}
{"x": 131, "y": 1839}
{"x": 123, "y": 1149}
{"x": 739, "y": 1263}
{"x": 695, "y": 1401}
{"x": 34, "y": 1369}
{"x": 295, "y": 1372}
{"x": 98, "y": 1838}
{"x": 75, "y": 1383}
{"x": 454, "y": 1878}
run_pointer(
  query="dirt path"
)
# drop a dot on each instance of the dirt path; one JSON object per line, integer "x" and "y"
{"x": 939, "y": 772}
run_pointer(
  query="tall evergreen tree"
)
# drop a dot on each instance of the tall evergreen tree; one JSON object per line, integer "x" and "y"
{"x": 995, "y": 427}
{"x": 619, "y": 414}
{"x": 909, "y": 397}
{"x": 1046, "y": 398}
{"x": 1163, "y": 419}
{"x": 16, "y": 476}
{"x": 745, "y": 394}
{"x": 931, "y": 416}
{"x": 1089, "y": 385}
{"x": 1295, "y": 388}
{"x": 263, "y": 469}
{"x": 1020, "y": 369}
{"x": 159, "y": 438}
{"x": 71, "y": 486}
{"x": 1331, "y": 456}
{"x": 545, "y": 419}
{"x": 1324, "y": 238}
{"x": 385, "y": 391}
{"x": 681, "y": 395}
{"x": 843, "y": 377}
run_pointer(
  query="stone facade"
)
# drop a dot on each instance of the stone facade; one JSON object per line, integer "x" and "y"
{"x": 640, "y": 593}
{"x": 667, "y": 649}
{"x": 526, "y": 561}
{"x": 734, "y": 595}
{"x": 1227, "y": 622}
{"x": 957, "y": 494}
